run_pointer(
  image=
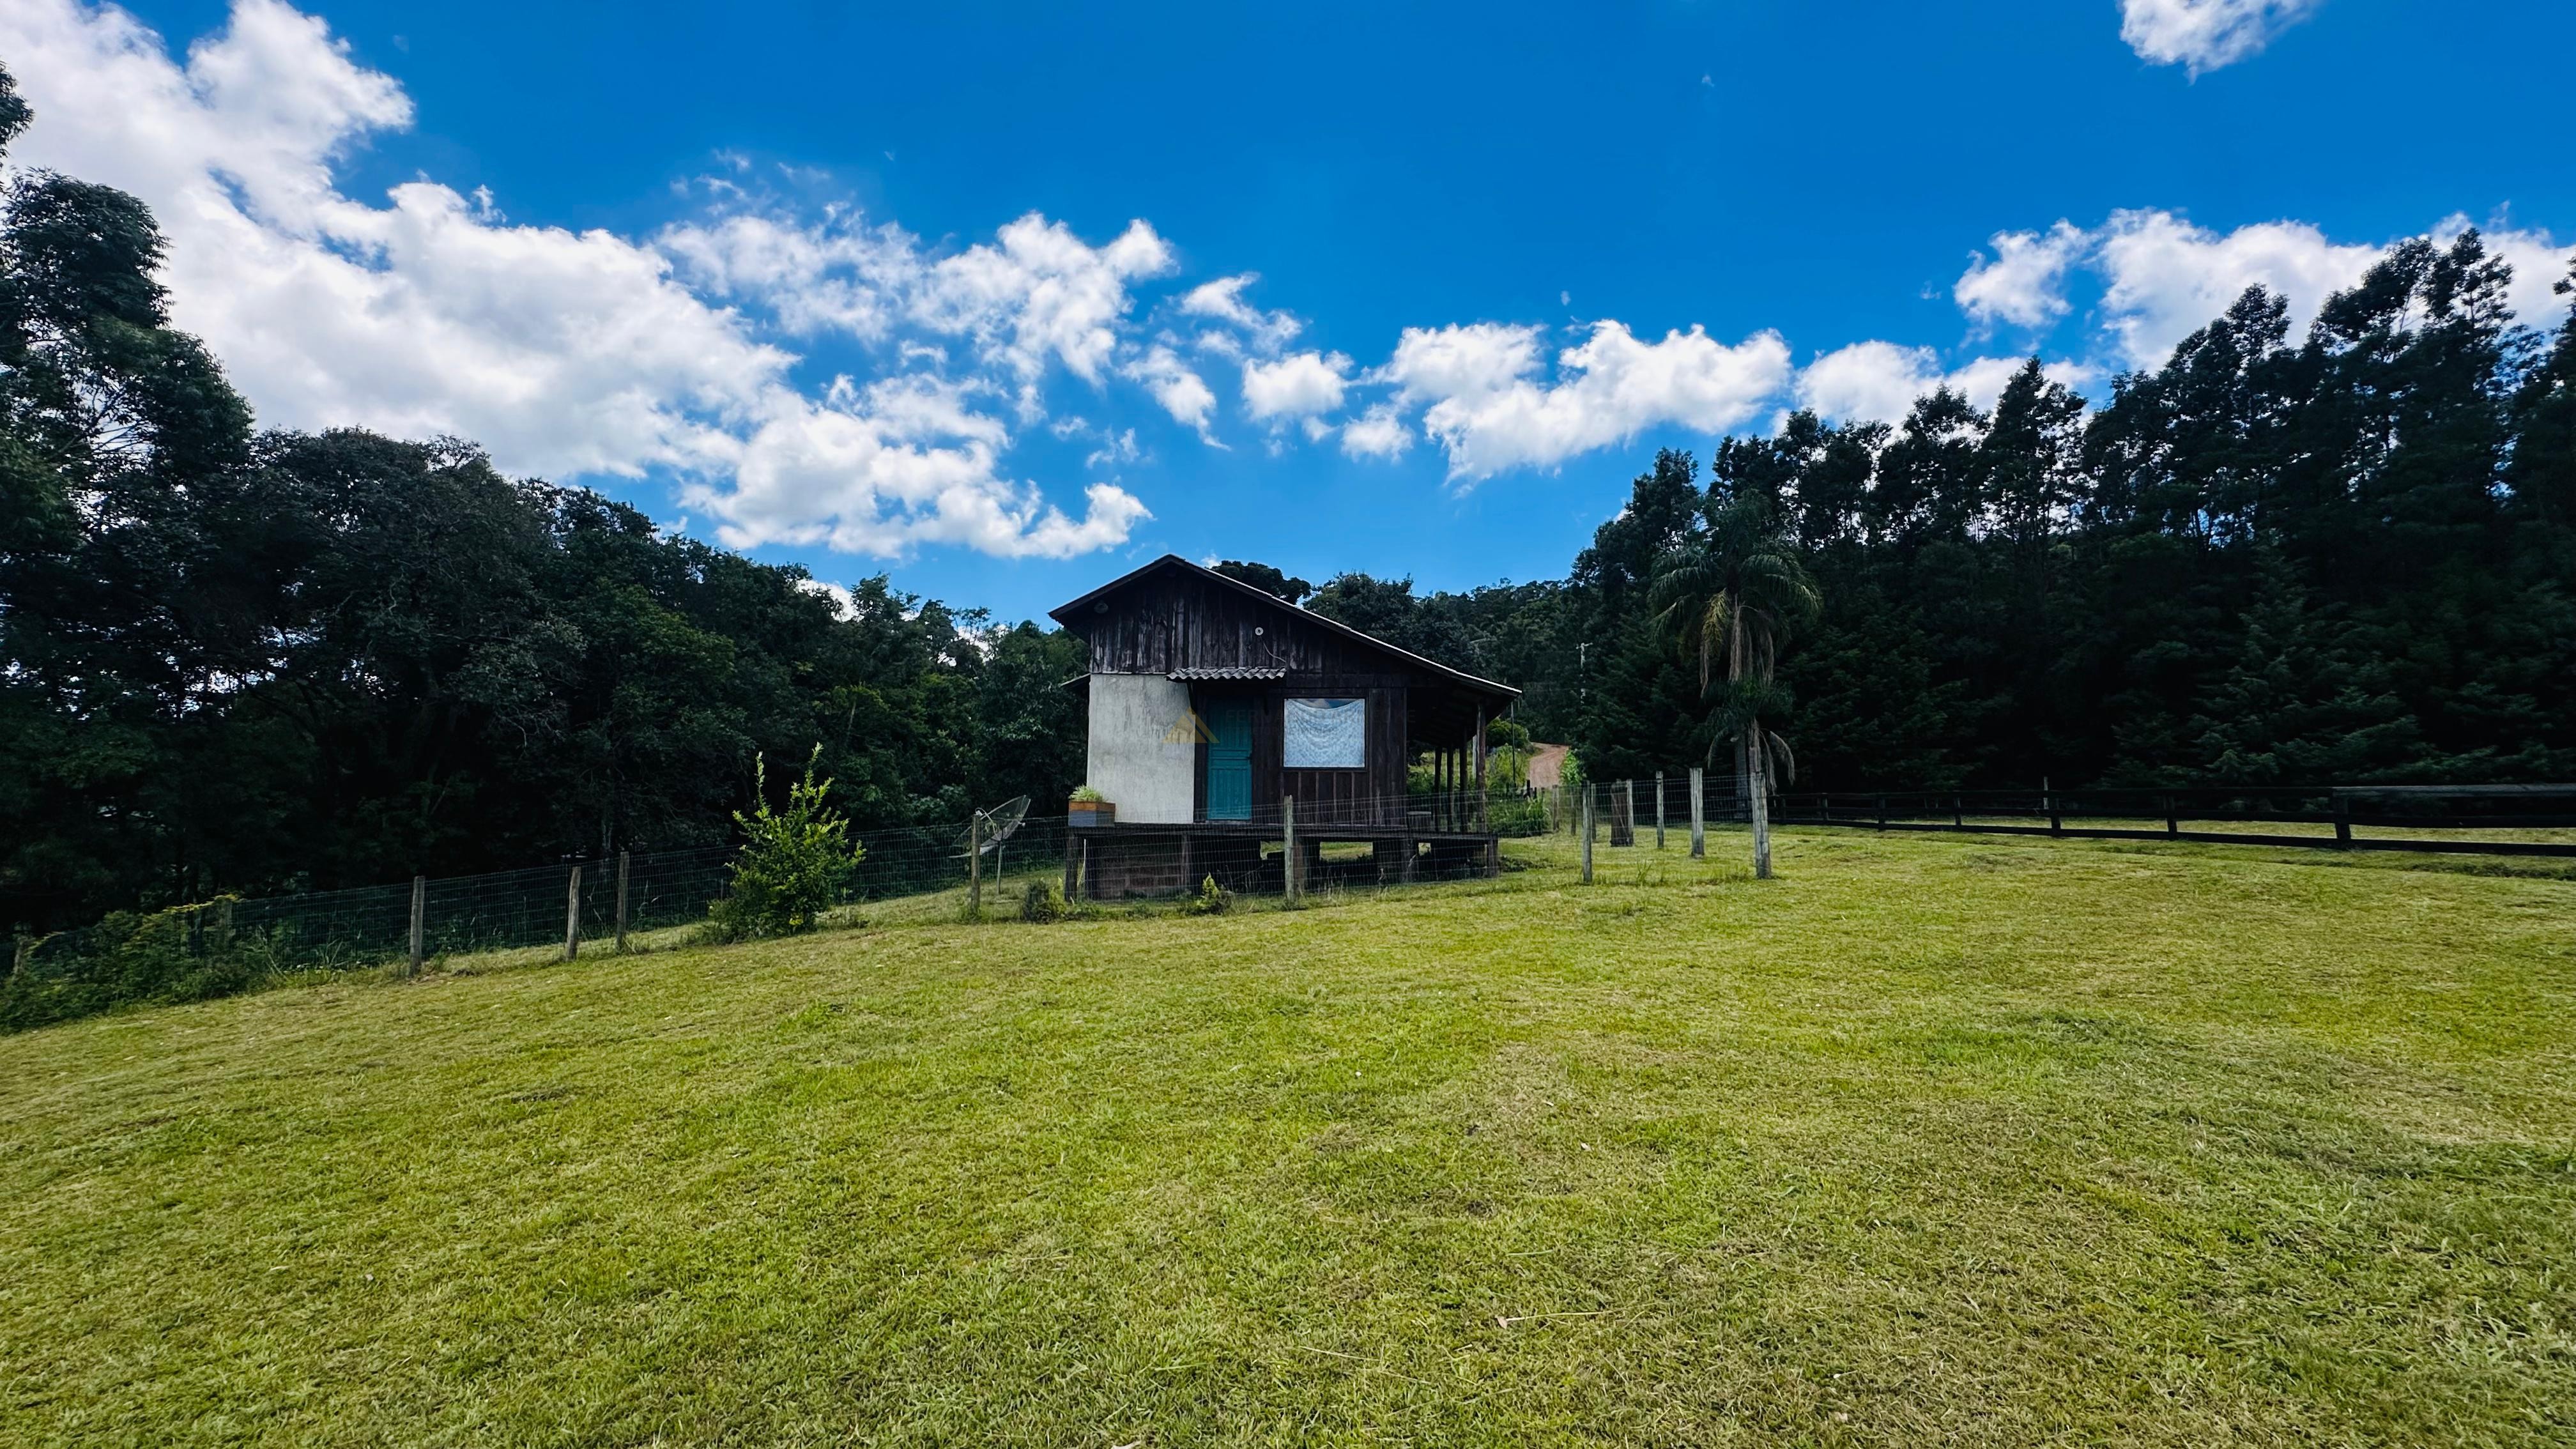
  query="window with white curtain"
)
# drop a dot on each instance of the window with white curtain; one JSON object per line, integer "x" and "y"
{"x": 1326, "y": 734}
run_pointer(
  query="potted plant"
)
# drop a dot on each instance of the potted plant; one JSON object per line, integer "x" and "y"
{"x": 1089, "y": 808}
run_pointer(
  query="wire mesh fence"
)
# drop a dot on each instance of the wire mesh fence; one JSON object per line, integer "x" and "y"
{"x": 1056, "y": 865}
{"x": 2530, "y": 820}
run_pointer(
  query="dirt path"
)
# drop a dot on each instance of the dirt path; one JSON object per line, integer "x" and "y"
{"x": 1547, "y": 765}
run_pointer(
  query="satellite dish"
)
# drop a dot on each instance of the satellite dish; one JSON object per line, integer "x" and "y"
{"x": 991, "y": 827}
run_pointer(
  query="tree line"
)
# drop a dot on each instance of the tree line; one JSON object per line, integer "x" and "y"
{"x": 262, "y": 661}
{"x": 234, "y": 660}
{"x": 2341, "y": 556}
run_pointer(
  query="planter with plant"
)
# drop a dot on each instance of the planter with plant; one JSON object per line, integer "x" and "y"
{"x": 1089, "y": 808}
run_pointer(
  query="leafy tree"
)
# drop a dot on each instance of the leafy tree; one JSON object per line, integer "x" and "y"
{"x": 1267, "y": 579}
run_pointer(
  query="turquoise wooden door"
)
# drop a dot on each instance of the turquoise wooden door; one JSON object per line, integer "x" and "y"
{"x": 1229, "y": 760}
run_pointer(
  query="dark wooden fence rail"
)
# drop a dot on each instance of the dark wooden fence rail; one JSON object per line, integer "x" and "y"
{"x": 2336, "y": 814}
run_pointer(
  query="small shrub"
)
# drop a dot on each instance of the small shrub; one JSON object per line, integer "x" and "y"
{"x": 1085, "y": 794}
{"x": 794, "y": 863}
{"x": 1212, "y": 899}
{"x": 162, "y": 956}
{"x": 1045, "y": 903}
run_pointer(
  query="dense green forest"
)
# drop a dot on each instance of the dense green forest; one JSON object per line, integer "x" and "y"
{"x": 2343, "y": 557}
{"x": 263, "y": 661}
{"x": 268, "y": 661}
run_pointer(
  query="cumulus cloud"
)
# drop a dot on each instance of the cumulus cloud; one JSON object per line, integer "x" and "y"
{"x": 567, "y": 353}
{"x": 839, "y": 275}
{"x": 1489, "y": 412}
{"x": 2203, "y": 35}
{"x": 1380, "y": 432}
{"x": 2024, "y": 282}
{"x": 1043, "y": 292}
{"x": 1879, "y": 381}
{"x": 1183, "y": 393}
{"x": 1300, "y": 385}
{"x": 2164, "y": 278}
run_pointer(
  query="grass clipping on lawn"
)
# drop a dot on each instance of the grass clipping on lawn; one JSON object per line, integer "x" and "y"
{"x": 1929, "y": 1141}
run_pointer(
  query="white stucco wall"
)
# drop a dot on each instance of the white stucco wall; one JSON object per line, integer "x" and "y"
{"x": 1152, "y": 781}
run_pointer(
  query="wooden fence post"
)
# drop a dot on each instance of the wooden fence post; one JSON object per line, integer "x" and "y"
{"x": 1699, "y": 817}
{"x": 1659, "y": 810}
{"x": 1585, "y": 829}
{"x": 2055, "y": 823}
{"x": 572, "y": 915}
{"x": 1882, "y": 812}
{"x": 419, "y": 922}
{"x": 975, "y": 867}
{"x": 1761, "y": 802}
{"x": 1292, "y": 875}
{"x": 2173, "y": 817}
{"x": 1072, "y": 860}
{"x": 2343, "y": 819}
{"x": 621, "y": 902}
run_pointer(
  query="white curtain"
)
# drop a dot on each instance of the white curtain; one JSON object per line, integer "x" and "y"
{"x": 1327, "y": 734}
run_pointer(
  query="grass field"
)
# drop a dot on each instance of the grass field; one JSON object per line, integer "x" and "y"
{"x": 1932, "y": 1140}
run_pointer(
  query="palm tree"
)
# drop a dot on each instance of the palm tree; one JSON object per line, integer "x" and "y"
{"x": 1731, "y": 594}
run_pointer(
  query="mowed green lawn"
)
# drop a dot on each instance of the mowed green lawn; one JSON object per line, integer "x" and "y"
{"x": 1929, "y": 1141}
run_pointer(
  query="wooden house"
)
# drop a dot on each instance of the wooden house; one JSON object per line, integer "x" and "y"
{"x": 1213, "y": 705}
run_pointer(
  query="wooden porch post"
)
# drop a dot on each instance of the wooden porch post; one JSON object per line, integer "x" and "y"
{"x": 1480, "y": 767}
{"x": 1699, "y": 823}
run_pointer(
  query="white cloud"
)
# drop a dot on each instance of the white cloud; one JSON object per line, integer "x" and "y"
{"x": 1378, "y": 433}
{"x": 1488, "y": 414}
{"x": 839, "y": 276}
{"x": 1868, "y": 381}
{"x": 1301, "y": 384}
{"x": 844, "y": 604}
{"x": 1879, "y": 381}
{"x": 903, "y": 462}
{"x": 1456, "y": 361}
{"x": 1120, "y": 447}
{"x": 1183, "y": 393}
{"x": 2024, "y": 283}
{"x": 1042, "y": 292}
{"x": 2539, "y": 264}
{"x": 568, "y": 354}
{"x": 1222, "y": 299}
{"x": 2203, "y": 35}
{"x": 2164, "y": 278}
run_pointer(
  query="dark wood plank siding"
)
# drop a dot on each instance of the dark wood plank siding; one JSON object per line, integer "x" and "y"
{"x": 1167, "y": 624}
{"x": 1173, "y": 623}
{"x": 1370, "y": 796}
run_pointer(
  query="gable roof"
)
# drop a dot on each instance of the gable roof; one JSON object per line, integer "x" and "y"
{"x": 1070, "y": 615}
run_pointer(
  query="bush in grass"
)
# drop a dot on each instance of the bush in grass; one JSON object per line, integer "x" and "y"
{"x": 1045, "y": 903}
{"x": 1212, "y": 899}
{"x": 794, "y": 863}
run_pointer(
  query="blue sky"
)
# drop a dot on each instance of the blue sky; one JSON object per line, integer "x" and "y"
{"x": 956, "y": 294}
